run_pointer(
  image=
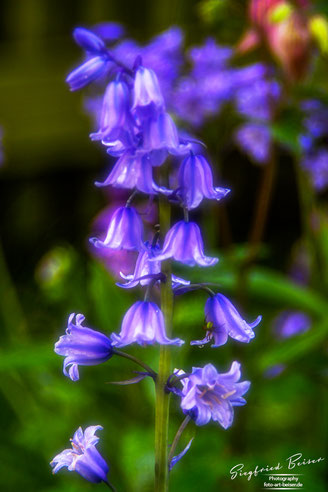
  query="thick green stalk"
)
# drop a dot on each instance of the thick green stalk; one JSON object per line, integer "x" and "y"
{"x": 164, "y": 370}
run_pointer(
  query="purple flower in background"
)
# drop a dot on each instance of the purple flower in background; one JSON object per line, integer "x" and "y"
{"x": 108, "y": 31}
{"x": 184, "y": 243}
{"x": 207, "y": 394}
{"x": 258, "y": 100}
{"x": 125, "y": 231}
{"x": 196, "y": 182}
{"x": 143, "y": 323}
{"x": 83, "y": 458}
{"x": 224, "y": 320}
{"x": 316, "y": 164}
{"x": 290, "y": 323}
{"x": 255, "y": 140}
{"x": 82, "y": 346}
{"x": 209, "y": 57}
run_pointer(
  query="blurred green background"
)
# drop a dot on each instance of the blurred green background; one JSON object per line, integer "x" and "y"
{"x": 48, "y": 204}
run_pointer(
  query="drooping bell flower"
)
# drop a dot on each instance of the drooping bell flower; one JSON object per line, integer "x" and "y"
{"x": 125, "y": 231}
{"x": 207, "y": 394}
{"x": 184, "y": 243}
{"x": 196, "y": 182}
{"x": 133, "y": 170}
{"x": 161, "y": 133}
{"x": 148, "y": 100}
{"x": 88, "y": 40}
{"x": 116, "y": 120}
{"x": 223, "y": 320}
{"x": 89, "y": 71}
{"x": 143, "y": 323}
{"x": 145, "y": 271}
{"x": 82, "y": 346}
{"x": 83, "y": 457}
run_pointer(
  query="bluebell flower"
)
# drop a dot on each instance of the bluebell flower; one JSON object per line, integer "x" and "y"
{"x": 88, "y": 40}
{"x": 146, "y": 270}
{"x": 143, "y": 323}
{"x": 82, "y": 346}
{"x": 115, "y": 120}
{"x": 89, "y": 71}
{"x": 83, "y": 457}
{"x": 125, "y": 231}
{"x": 147, "y": 96}
{"x": 224, "y": 320}
{"x": 207, "y": 394}
{"x": 255, "y": 140}
{"x": 290, "y": 323}
{"x": 196, "y": 182}
{"x": 133, "y": 170}
{"x": 184, "y": 243}
{"x": 160, "y": 133}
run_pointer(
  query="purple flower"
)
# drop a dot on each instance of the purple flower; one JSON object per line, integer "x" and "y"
{"x": 316, "y": 164}
{"x": 258, "y": 99}
{"x": 124, "y": 231}
{"x": 196, "y": 182}
{"x": 207, "y": 395}
{"x": 210, "y": 57}
{"x": 82, "y": 346}
{"x": 291, "y": 323}
{"x": 115, "y": 120}
{"x": 133, "y": 170}
{"x": 224, "y": 320}
{"x": 89, "y": 71}
{"x": 160, "y": 133}
{"x": 108, "y": 31}
{"x": 143, "y": 268}
{"x": 147, "y": 96}
{"x": 255, "y": 140}
{"x": 184, "y": 243}
{"x": 146, "y": 270}
{"x": 143, "y": 323}
{"x": 88, "y": 40}
{"x": 83, "y": 458}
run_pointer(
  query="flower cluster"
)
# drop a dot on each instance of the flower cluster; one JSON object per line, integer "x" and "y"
{"x": 137, "y": 130}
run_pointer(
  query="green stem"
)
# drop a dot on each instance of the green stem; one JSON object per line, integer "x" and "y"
{"x": 164, "y": 370}
{"x": 136, "y": 361}
{"x": 182, "y": 427}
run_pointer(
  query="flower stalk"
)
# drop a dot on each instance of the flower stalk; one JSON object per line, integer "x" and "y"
{"x": 164, "y": 370}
